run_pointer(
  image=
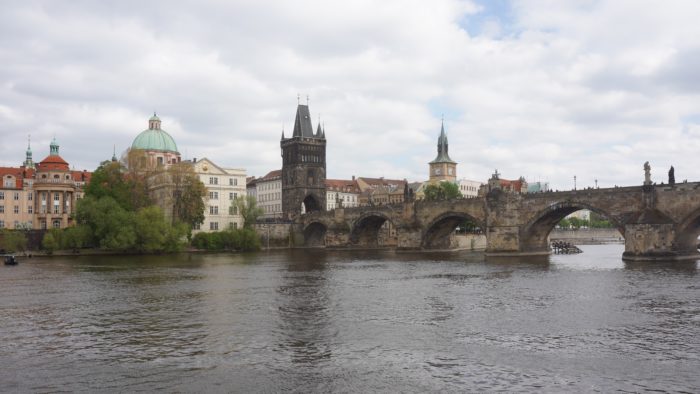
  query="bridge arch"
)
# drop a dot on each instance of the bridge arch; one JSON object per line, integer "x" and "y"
{"x": 534, "y": 235}
{"x": 437, "y": 233}
{"x": 315, "y": 234}
{"x": 366, "y": 230}
{"x": 311, "y": 203}
{"x": 687, "y": 232}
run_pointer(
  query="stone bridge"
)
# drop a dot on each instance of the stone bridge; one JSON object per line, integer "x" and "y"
{"x": 658, "y": 222}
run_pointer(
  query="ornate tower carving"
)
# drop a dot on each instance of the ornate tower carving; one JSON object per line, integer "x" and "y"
{"x": 303, "y": 167}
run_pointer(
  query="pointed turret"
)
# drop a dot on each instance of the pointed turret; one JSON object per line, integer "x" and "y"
{"x": 442, "y": 147}
{"x": 282, "y": 139}
{"x": 319, "y": 132}
{"x": 114, "y": 153}
{"x": 302, "y": 123}
{"x": 28, "y": 162}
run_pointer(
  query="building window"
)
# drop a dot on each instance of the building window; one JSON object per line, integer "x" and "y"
{"x": 214, "y": 210}
{"x": 56, "y": 197}
{"x": 16, "y": 224}
{"x": 16, "y": 210}
{"x": 197, "y": 226}
{"x": 230, "y": 181}
{"x": 234, "y": 210}
{"x": 235, "y": 225}
{"x": 213, "y": 180}
{"x": 56, "y": 223}
{"x": 2, "y": 209}
{"x": 30, "y": 196}
{"x": 2, "y": 224}
{"x": 30, "y": 209}
{"x": 2, "y": 195}
{"x": 16, "y": 196}
{"x": 235, "y": 181}
{"x": 230, "y": 196}
{"x": 55, "y": 209}
{"x": 160, "y": 161}
{"x": 213, "y": 195}
{"x": 213, "y": 225}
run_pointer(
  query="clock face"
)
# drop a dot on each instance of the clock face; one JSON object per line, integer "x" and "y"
{"x": 449, "y": 171}
{"x": 437, "y": 171}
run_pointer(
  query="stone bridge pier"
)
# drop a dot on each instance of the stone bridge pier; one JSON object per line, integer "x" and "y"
{"x": 657, "y": 222}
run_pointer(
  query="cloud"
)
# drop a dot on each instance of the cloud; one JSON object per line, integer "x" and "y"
{"x": 543, "y": 89}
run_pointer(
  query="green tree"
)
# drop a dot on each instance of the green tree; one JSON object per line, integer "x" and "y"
{"x": 248, "y": 208}
{"x": 188, "y": 195}
{"x": 76, "y": 237}
{"x": 13, "y": 240}
{"x": 49, "y": 242}
{"x": 151, "y": 229}
{"x": 442, "y": 191}
{"x": 111, "y": 225}
{"x": 128, "y": 189}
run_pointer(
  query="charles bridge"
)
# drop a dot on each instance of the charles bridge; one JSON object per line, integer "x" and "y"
{"x": 658, "y": 222}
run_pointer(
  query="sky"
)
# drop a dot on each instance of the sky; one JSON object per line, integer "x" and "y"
{"x": 547, "y": 90}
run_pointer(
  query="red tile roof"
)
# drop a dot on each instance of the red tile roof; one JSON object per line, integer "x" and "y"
{"x": 342, "y": 185}
{"x": 53, "y": 162}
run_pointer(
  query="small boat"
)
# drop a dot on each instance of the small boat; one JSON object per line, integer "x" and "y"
{"x": 11, "y": 260}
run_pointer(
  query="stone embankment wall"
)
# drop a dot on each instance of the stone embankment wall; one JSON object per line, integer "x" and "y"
{"x": 277, "y": 235}
{"x": 471, "y": 241}
{"x": 591, "y": 236}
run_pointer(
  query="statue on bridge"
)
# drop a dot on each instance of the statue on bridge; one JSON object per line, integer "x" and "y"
{"x": 671, "y": 176}
{"x": 647, "y": 173}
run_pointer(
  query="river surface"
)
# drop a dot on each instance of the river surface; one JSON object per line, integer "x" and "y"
{"x": 339, "y": 321}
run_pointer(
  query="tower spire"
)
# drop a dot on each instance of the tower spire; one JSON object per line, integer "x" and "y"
{"x": 28, "y": 162}
{"x": 114, "y": 153}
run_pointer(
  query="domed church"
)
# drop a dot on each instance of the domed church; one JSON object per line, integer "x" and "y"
{"x": 158, "y": 145}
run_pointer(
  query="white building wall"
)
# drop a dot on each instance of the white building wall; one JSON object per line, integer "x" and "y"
{"x": 349, "y": 199}
{"x": 269, "y": 197}
{"x": 223, "y": 186}
{"x": 469, "y": 188}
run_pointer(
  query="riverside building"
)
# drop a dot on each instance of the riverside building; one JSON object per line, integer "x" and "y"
{"x": 40, "y": 195}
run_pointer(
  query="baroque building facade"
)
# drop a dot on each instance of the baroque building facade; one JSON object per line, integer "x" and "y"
{"x": 40, "y": 195}
{"x": 223, "y": 185}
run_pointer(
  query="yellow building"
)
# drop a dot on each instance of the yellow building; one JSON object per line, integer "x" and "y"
{"x": 42, "y": 195}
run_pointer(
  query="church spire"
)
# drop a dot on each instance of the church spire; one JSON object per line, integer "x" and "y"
{"x": 114, "y": 153}
{"x": 28, "y": 162}
{"x": 442, "y": 147}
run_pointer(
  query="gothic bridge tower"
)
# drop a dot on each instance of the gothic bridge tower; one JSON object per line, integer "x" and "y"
{"x": 303, "y": 167}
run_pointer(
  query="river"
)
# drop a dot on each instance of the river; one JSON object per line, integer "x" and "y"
{"x": 349, "y": 321}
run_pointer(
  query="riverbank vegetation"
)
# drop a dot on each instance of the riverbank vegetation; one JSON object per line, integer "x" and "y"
{"x": 245, "y": 239}
{"x": 12, "y": 241}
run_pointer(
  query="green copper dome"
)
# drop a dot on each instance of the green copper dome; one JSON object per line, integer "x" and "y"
{"x": 154, "y": 138}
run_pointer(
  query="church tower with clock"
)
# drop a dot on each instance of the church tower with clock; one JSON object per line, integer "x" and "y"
{"x": 303, "y": 167}
{"x": 443, "y": 168}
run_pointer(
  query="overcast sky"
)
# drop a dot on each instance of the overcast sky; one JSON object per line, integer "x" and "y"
{"x": 542, "y": 89}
